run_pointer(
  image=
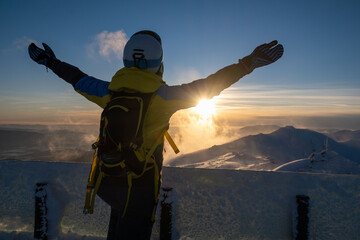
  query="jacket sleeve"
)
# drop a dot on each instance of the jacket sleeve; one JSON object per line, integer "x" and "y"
{"x": 188, "y": 95}
{"x": 67, "y": 72}
{"x": 93, "y": 89}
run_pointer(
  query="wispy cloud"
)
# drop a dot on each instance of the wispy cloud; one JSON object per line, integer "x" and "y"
{"x": 59, "y": 108}
{"x": 281, "y": 100}
{"x": 18, "y": 44}
{"x": 108, "y": 45}
{"x": 23, "y": 42}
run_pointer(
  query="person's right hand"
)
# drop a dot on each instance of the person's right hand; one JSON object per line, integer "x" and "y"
{"x": 263, "y": 55}
{"x": 45, "y": 57}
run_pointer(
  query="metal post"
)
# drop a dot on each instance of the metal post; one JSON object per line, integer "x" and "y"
{"x": 41, "y": 221}
{"x": 166, "y": 215}
{"x": 301, "y": 221}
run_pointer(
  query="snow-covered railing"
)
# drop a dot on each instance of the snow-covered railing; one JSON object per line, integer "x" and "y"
{"x": 206, "y": 203}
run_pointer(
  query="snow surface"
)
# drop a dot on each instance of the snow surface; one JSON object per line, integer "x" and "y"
{"x": 207, "y": 203}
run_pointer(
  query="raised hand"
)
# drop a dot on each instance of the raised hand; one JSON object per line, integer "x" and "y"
{"x": 45, "y": 57}
{"x": 263, "y": 55}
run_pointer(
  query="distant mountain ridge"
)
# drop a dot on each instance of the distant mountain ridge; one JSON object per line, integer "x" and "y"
{"x": 344, "y": 135}
{"x": 253, "y": 151}
{"x": 348, "y": 137}
{"x": 266, "y": 151}
{"x": 257, "y": 129}
{"x": 45, "y": 145}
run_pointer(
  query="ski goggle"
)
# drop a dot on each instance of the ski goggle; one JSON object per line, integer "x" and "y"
{"x": 141, "y": 62}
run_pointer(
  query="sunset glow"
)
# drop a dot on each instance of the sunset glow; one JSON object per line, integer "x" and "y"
{"x": 291, "y": 91}
{"x": 205, "y": 108}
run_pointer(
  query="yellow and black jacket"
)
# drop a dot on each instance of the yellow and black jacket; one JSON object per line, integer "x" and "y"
{"x": 164, "y": 103}
{"x": 167, "y": 99}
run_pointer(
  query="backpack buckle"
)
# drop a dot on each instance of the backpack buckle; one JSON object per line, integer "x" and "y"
{"x": 95, "y": 145}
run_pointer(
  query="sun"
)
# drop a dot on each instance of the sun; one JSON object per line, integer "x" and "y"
{"x": 205, "y": 108}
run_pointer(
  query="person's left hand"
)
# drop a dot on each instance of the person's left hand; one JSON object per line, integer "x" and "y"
{"x": 263, "y": 55}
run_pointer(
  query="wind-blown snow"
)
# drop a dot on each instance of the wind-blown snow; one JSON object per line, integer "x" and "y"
{"x": 270, "y": 151}
{"x": 207, "y": 203}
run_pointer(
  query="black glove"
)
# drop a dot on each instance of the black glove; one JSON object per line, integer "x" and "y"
{"x": 263, "y": 55}
{"x": 45, "y": 57}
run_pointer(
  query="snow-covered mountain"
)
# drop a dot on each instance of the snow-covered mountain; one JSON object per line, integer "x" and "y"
{"x": 327, "y": 162}
{"x": 269, "y": 151}
{"x": 273, "y": 147}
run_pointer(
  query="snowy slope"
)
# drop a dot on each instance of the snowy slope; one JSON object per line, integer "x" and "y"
{"x": 268, "y": 151}
{"x": 330, "y": 163}
{"x": 207, "y": 203}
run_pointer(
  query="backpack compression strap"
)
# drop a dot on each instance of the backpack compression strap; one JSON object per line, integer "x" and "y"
{"x": 171, "y": 142}
{"x": 89, "y": 203}
{"x": 148, "y": 159}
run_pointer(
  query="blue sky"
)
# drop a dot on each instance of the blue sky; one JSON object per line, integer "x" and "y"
{"x": 318, "y": 76}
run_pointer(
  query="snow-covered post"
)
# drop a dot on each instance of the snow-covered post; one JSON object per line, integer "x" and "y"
{"x": 166, "y": 215}
{"x": 301, "y": 218}
{"x": 41, "y": 221}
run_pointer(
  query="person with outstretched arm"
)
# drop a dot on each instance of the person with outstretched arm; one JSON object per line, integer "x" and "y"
{"x": 133, "y": 200}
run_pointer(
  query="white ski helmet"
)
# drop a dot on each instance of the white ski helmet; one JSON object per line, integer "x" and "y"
{"x": 144, "y": 51}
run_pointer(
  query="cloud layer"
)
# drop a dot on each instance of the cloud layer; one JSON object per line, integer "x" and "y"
{"x": 260, "y": 100}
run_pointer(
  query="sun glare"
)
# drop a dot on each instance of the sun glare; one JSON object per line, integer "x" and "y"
{"x": 205, "y": 108}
